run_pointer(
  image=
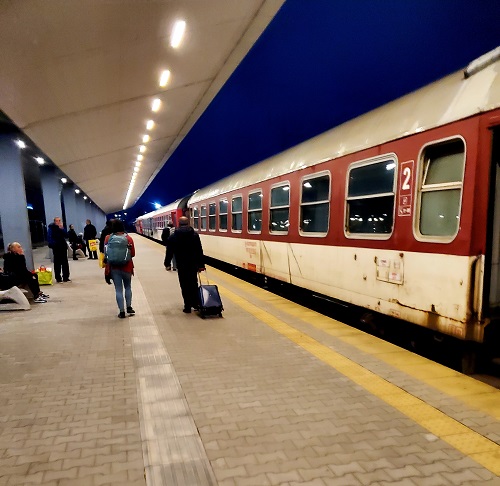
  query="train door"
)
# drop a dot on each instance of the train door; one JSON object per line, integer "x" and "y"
{"x": 494, "y": 230}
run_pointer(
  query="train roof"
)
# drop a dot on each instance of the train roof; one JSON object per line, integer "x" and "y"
{"x": 457, "y": 96}
{"x": 178, "y": 204}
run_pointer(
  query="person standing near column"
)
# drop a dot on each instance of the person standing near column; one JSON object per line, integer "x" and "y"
{"x": 56, "y": 236}
{"x": 90, "y": 233}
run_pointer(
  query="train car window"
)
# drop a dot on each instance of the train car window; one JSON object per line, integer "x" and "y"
{"x": 255, "y": 212}
{"x": 315, "y": 205}
{"x": 223, "y": 205}
{"x": 203, "y": 217}
{"x": 370, "y": 198}
{"x": 279, "y": 213}
{"x": 441, "y": 188}
{"x": 211, "y": 216}
{"x": 237, "y": 213}
{"x": 196, "y": 216}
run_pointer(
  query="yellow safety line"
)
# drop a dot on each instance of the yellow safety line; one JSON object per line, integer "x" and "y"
{"x": 479, "y": 448}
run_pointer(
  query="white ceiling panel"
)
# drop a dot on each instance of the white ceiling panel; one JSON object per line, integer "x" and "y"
{"x": 79, "y": 76}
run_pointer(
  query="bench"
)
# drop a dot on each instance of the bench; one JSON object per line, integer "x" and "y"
{"x": 13, "y": 299}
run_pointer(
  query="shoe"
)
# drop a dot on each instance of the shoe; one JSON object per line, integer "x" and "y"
{"x": 122, "y": 315}
{"x": 44, "y": 296}
{"x": 67, "y": 280}
{"x": 58, "y": 280}
{"x": 39, "y": 300}
{"x": 187, "y": 310}
{"x": 130, "y": 310}
{"x": 174, "y": 269}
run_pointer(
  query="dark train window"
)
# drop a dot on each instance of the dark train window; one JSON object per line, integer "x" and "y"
{"x": 223, "y": 214}
{"x": 441, "y": 185}
{"x": 203, "y": 217}
{"x": 315, "y": 204}
{"x": 255, "y": 212}
{"x": 237, "y": 213}
{"x": 211, "y": 216}
{"x": 196, "y": 216}
{"x": 370, "y": 198}
{"x": 280, "y": 209}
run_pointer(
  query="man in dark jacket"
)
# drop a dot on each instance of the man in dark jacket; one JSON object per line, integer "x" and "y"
{"x": 185, "y": 245}
{"x": 56, "y": 236}
{"x": 90, "y": 233}
{"x": 105, "y": 232}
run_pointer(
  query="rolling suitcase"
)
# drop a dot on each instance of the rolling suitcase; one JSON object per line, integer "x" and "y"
{"x": 210, "y": 301}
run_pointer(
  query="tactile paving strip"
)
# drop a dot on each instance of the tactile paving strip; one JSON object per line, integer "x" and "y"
{"x": 172, "y": 448}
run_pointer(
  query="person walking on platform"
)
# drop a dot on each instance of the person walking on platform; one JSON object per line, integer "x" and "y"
{"x": 56, "y": 236}
{"x": 119, "y": 254}
{"x": 90, "y": 233}
{"x": 185, "y": 245}
{"x": 104, "y": 232}
{"x": 165, "y": 234}
{"x": 15, "y": 266}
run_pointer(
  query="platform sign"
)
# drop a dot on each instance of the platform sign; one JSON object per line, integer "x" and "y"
{"x": 405, "y": 201}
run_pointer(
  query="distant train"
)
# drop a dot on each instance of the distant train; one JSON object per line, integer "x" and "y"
{"x": 396, "y": 211}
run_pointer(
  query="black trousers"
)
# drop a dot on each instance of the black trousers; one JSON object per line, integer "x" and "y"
{"x": 61, "y": 263}
{"x": 188, "y": 280}
{"x": 31, "y": 280}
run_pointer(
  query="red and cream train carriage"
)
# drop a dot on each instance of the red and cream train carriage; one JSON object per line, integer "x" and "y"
{"x": 396, "y": 211}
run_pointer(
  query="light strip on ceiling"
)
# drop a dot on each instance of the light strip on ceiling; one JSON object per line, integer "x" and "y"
{"x": 177, "y": 33}
{"x": 165, "y": 76}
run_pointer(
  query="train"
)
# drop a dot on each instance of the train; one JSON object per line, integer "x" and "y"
{"x": 396, "y": 211}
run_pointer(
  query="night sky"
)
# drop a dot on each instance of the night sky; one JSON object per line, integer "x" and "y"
{"x": 318, "y": 64}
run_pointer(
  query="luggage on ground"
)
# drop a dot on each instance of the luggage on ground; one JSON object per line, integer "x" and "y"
{"x": 210, "y": 301}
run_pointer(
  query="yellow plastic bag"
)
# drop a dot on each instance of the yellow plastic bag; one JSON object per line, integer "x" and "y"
{"x": 93, "y": 246}
{"x": 44, "y": 275}
{"x": 101, "y": 260}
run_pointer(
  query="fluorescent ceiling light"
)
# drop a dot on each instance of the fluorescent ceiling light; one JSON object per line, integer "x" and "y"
{"x": 137, "y": 164}
{"x": 85, "y": 197}
{"x": 165, "y": 76}
{"x": 145, "y": 138}
{"x": 177, "y": 33}
{"x": 40, "y": 160}
{"x": 140, "y": 157}
{"x": 20, "y": 144}
{"x": 142, "y": 148}
{"x": 150, "y": 124}
{"x": 156, "y": 104}
{"x": 64, "y": 180}
{"x": 77, "y": 191}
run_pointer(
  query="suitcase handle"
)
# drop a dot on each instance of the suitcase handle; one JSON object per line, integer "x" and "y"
{"x": 206, "y": 276}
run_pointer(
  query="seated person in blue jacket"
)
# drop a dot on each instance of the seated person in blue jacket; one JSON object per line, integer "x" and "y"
{"x": 15, "y": 266}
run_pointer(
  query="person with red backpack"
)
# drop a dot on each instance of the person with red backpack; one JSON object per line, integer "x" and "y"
{"x": 119, "y": 250}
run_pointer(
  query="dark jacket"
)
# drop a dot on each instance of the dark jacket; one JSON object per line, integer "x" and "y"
{"x": 15, "y": 265}
{"x": 57, "y": 237}
{"x": 185, "y": 245}
{"x": 105, "y": 232}
{"x": 72, "y": 237}
{"x": 164, "y": 235}
{"x": 89, "y": 232}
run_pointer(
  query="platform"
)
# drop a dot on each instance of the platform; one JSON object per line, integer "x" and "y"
{"x": 271, "y": 394}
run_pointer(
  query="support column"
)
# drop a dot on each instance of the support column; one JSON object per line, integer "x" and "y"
{"x": 82, "y": 213}
{"x": 70, "y": 210}
{"x": 13, "y": 211}
{"x": 51, "y": 191}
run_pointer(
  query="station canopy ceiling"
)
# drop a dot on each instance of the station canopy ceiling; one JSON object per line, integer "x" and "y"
{"x": 79, "y": 78}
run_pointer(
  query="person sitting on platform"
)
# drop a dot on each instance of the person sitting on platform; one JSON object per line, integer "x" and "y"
{"x": 73, "y": 240}
{"x": 15, "y": 265}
